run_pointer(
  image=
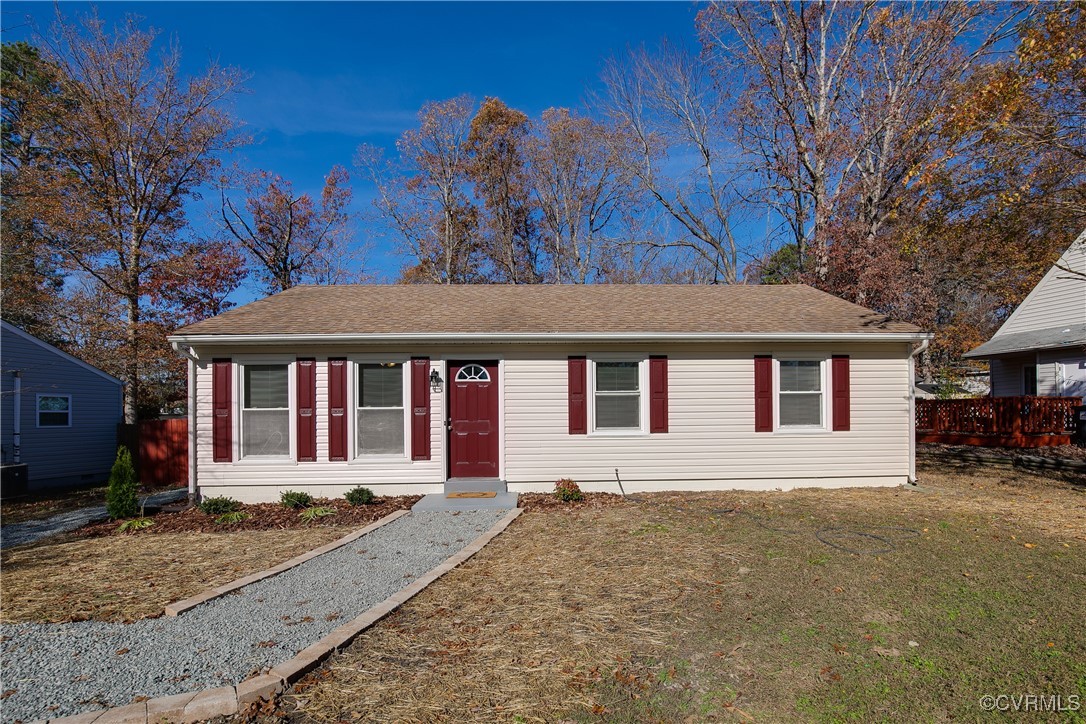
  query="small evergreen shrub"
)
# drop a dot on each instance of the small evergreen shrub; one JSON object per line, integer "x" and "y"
{"x": 231, "y": 518}
{"x": 295, "y": 499}
{"x": 121, "y": 498}
{"x": 568, "y": 491}
{"x": 219, "y": 506}
{"x": 311, "y": 514}
{"x": 359, "y": 496}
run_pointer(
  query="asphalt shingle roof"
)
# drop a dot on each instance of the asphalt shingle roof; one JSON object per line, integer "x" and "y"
{"x": 548, "y": 309}
{"x": 1064, "y": 335}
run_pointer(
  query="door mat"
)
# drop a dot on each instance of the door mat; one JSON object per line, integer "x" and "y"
{"x": 481, "y": 494}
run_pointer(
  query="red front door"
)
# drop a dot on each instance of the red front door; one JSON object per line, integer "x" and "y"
{"x": 473, "y": 419}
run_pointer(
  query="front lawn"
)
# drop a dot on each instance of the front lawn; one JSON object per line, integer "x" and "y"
{"x": 742, "y": 605}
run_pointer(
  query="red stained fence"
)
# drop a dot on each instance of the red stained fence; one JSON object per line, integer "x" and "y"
{"x": 162, "y": 456}
{"x": 997, "y": 421}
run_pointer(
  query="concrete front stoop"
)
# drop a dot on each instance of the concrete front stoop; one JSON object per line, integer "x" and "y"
{"x": 503, "y": 499}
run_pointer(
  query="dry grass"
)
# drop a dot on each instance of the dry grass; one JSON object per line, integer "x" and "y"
{"x": 677, "y": 608}
{"x": 122, "y": 578}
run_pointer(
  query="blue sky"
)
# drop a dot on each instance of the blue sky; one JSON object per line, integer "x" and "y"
{"x": 329, "y": 76}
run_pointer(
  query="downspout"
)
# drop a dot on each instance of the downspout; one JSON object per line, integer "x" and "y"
{"x": 17, "y": 418}
{"x": 189, "y": 355}
{"x": 918, "y": 350}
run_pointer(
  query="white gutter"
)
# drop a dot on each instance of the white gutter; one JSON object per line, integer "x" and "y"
{"x": 545, "y": 337}
{"x": 189, "y": 354}
{"x": 918, "y": 350}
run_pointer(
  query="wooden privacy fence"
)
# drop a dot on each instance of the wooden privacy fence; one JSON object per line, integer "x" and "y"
{"x": 997, "y": 421}
{"x": 160, "y": 449}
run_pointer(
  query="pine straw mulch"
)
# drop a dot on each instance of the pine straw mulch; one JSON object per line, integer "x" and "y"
{"x": 1054, "y": 452}
{"x": 122, "y": 579}
{"x": 680, "y": 606}
{"x": 44, "y": 504}
{"x": 263, "y": 516}
{"x": 547, "y": 501}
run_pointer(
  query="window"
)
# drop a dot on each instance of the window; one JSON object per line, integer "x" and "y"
{"x": 54, "y": 410}
{"x": 1029, "y": 380}
{"x": 800, "y": 393}
{"x": 265, "y": 413}
{"x": 473, "y": 373}
{"x": 618, "y": 396}
{"x": 379, "y": 426}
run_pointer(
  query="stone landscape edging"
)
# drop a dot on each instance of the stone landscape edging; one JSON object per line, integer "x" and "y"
{"x": 194, "y": 706}
{"x": 177, "y": 607}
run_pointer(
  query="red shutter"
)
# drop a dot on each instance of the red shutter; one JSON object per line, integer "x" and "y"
{"x": 657, "y": 394}
{"x": 420, "y": 408}
{"x": 578, "y": 403}
{"x": 337, "y": 409}
{"x": 307, "y": 403}
{"x": 841, "y": 396}
{"x": 763, "y": 393}
{"x": 222, "y": 426}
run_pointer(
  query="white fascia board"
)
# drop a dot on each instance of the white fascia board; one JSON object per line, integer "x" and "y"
{"x": 543, "y": 338}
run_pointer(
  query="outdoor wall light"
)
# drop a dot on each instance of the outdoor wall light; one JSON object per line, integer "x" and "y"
{"x": 435, "y": 381}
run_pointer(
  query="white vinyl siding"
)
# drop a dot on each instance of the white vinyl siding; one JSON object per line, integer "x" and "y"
{"x": 711, "y": 442}
{"x": 1059, "y": 298}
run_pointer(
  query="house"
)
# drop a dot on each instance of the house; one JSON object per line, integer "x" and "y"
{"x": 1041, "y": 348}
{"x": 58, "y": 414}
{"x": 404, "y": 388}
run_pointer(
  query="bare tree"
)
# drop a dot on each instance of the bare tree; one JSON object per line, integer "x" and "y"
{"x": 674, "y": 112}
{"x": 288, "y": 238}
{"x": 424, "y": 197}
{"x": 582, "y": 185}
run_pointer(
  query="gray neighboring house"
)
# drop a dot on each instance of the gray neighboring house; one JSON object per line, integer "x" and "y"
{"x": 1041, "y": 348}
{"x": 66, "y": 431}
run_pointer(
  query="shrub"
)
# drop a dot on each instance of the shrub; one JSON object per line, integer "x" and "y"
{"x": 311, "y": 514}
{"x": 219, "y": 506}
{"x": 131, "y": 526}
{"x": 359, "y": 496}
{"x": 295, "y": 499}
{"x": 231, "y": 518}
{"x": 568, "y": 491}
{"x": 121, "y": 499}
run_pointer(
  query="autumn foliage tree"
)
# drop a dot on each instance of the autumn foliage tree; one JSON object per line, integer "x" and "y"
{"x": 289, "y": 238}
{"x": 135, "y": 141}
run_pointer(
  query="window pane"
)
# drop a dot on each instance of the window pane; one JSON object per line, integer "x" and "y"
{"x": 266, "y": 386}
{"x": 53, "y": 404}
{"x": 618, "y": 411}
{"x": 53, "y": 419}
{"x": 265, "y": 432}
{"x": 380, "y": 432}
{"x": 801, "y": 375}
{"x": 616, "y": 376}
{"x": 380, "y": 385}
{"x": 801, "y": 409}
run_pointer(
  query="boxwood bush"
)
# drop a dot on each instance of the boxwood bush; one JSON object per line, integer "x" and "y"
{"x": 359, "y": 496}
{"x": 295, "y": 499}
{"x": 219, "y": 506}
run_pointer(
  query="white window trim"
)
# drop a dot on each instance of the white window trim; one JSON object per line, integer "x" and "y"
{"x": 642, "y": 360}
{"x": 824, "y": 377}
{"x": 291, "y": 458}
{"x": 357, "y": 457}
{"x": 38, "y": 410}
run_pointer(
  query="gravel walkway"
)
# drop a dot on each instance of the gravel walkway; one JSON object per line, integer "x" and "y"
{"x": 34, "y": 530}
{"x": 62, "y": 669}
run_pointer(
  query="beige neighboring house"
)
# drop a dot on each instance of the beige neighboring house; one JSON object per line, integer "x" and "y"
{"x": 411, "y": 389}
{"x": 1041, "y": 348}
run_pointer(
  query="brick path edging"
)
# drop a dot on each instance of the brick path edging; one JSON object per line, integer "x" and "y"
{"x": 180, "y": 606}
{"x": 197, "y": 706}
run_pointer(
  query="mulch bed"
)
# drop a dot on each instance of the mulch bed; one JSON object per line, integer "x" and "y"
{"x": 263, "y": 516}
{"x": 547, "y": 501}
